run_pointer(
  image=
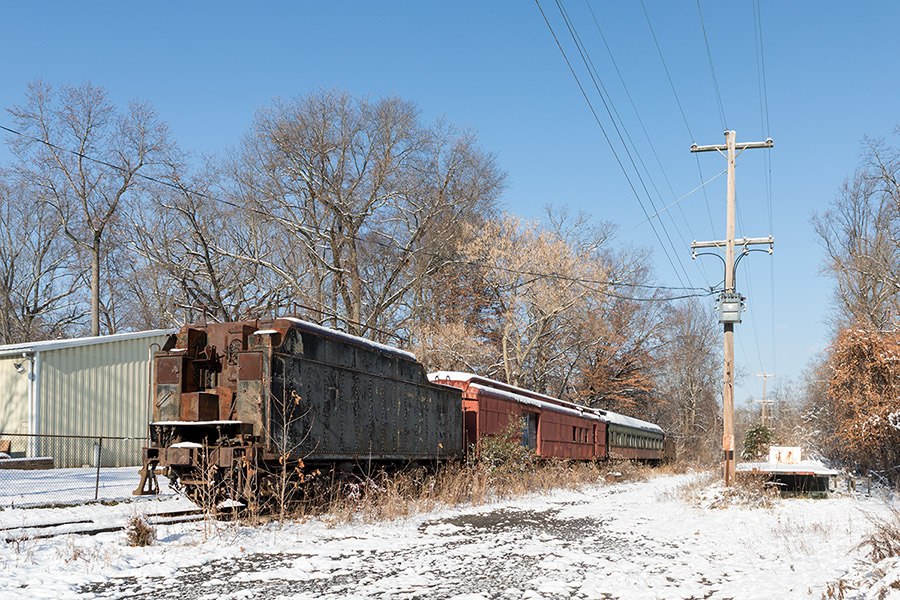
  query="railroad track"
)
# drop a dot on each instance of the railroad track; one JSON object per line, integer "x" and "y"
{"x": 90, "y": 526}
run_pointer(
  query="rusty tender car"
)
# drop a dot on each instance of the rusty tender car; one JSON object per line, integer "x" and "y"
{"x": 234, "y": 405}
{"x": 239, "y": 409}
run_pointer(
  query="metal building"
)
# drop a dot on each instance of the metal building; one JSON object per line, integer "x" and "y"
{"x": 93, "y": 386}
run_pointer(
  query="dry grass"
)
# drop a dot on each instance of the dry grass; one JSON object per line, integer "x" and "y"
{"x": 385, "y": 496}
{"x": 139, "y": 532}
{"x": 884, "y": 539}
{"x": 749, "y": 490}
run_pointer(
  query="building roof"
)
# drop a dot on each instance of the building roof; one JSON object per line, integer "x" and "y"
{"x": 32, "y": 347}
{"x": 804, "y": 467}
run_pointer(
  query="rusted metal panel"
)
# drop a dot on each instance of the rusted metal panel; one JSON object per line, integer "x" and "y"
{"x": 199, "y": 406}
{"x": 178, "y": 456}
{"x": 168, "y": 369}
{"x": 250, "y": 366}
{"x": 167, "y": 402}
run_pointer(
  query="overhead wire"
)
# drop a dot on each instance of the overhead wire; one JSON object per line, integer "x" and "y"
{"x": 605, "y": 135}
{"x": 595, "y": 77}
{"x": 687, "y": 125}
{"x": 606, "y": 105}
{"x": 712, "y": 70}
{"x": 650, "y": 143}
{"x": 767, "y": 165}
{"x": 697, "y": 291}
{"x": 722, "y": 116}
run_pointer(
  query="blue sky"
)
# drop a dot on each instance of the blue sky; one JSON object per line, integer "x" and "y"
{"x": 494, "y": 67}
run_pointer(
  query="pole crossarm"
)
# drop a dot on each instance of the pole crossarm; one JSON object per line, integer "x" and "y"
{"x": 745, "y": 241}
{"x": 724, "y": 147}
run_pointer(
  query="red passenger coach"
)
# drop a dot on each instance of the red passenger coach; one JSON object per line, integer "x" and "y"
{"x": 554, "y": 428}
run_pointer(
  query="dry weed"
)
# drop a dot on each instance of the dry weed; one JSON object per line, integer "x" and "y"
{"x": 884, "y": 539}
{"x": 751, "y": 490}
{"x": 386, "y": 496}
{"x": 139, "y": 532}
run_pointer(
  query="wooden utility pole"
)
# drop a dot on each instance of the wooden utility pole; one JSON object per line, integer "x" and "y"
{"x": 765, "y": 418}
{"x": 730, "y": 302}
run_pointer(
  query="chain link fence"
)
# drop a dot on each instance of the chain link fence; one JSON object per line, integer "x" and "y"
{"x": 40, "y": 470}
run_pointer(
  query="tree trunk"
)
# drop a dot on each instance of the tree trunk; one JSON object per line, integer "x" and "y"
{"x": 95, "y": 286}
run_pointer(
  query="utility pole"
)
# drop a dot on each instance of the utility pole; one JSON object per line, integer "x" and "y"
{"x": 765, "y": 418}
{"x": 730, "y": 302}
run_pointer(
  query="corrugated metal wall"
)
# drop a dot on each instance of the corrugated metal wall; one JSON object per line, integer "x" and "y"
{"x": 95, "y": 390}
{"x": 13, "y": 396}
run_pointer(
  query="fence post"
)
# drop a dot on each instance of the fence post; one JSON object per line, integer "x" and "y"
{"x": 99, "y": 460}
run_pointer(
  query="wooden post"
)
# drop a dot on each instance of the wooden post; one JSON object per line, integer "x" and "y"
{"x": 730, "y": 152}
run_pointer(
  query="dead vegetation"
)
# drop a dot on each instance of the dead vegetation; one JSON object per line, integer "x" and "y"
{"x": 884, "y": 539}
{"x": 501, "y": 469}
{"x": 752, "y": 490}
{"x": 139, "y": 532}
{"x": 386, "y": 496}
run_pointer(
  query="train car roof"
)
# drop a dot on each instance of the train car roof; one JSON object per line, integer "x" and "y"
{"x": 346, "y": 337}
{"x": 468, "y": 377}
{"x": 532, "y": 397}
{"x": 513, "y": 392}
{"x": 617, "y": 419}
{"x": 587, "y": 413}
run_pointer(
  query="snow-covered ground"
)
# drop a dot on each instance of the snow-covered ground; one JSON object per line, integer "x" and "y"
{"x": 625, "y": 540}
{"x": 69, "y": 486}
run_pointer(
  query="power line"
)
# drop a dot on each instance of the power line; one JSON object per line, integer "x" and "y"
{"x": 602, "y": 129}
{"x": 767, "y": 164}
{"x": 687, "y": 126}
{"x": 677, "y": 200}
{"x": 609, "y": 103}
{"x": 185, "y": 190}
{"x": 650, "y": 143}
{"x": 712, "y": 69}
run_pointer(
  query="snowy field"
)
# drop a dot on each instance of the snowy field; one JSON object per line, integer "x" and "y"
{"x": 69, "y": 486}
{"x": 627, "y": 540}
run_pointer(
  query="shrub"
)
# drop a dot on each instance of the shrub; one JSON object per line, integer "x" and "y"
{"x": 756, "y": 442}
{"x": 139, "y": 532}
{"x": 503, "y": 451}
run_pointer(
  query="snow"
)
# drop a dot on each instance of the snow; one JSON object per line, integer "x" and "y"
{"x": 196, "y": 423}
{"x": 634, "y": 540}
{"x": 346, "y": 337}
{"x": 627, "y": 421}
{"x": 9, "y": 461}
{"x": 513, "y": 397}
{"x": 440, "y": 376}
{"x": 811, "y": 467}
{"x": 20, "y": 488}
{"x": 265, "y": 332}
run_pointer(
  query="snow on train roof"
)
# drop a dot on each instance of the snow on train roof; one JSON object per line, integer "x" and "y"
{"x": 586, "y": 414}
{"x": 359, "y": 341}
{"x": 605, "y": 415}
{"x": 549, "y": 402}
{"x": 626, "y": 421}
{"x": 463, "y": 376}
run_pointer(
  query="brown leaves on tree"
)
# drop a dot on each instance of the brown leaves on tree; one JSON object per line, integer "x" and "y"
{"x": 863, "y": 396}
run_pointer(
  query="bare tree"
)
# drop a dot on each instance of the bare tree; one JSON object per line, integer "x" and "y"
{"x": 178, "y": 236}
{"x": 554, "y": 319}
{"x": 860, "y": 233}
{"x": 689, "y": 378}
{"x": 64, "y": 130}
{"x": 361, "y": 199}
{"x": 38, "y": 294}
